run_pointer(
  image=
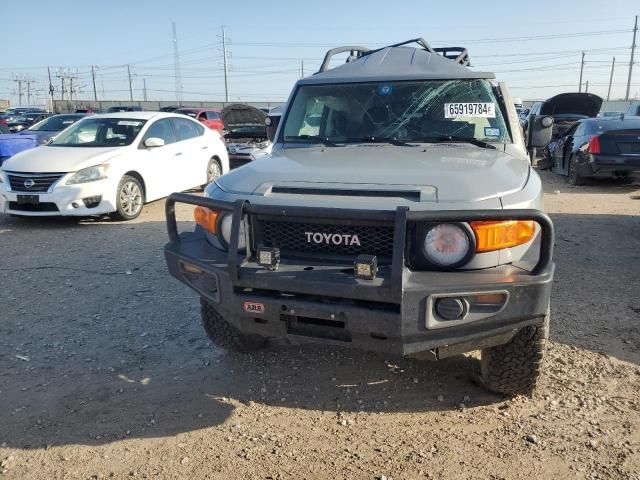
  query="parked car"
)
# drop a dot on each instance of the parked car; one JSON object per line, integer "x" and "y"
{"x": 210, "y": 118}
{"x": 633, "y": 110}
{"x": 565, "y": 109}
{"x": 397, "y": 212}
{"x": 168, "y": 109}
{"x": 124, "y": 108}
{"x": 245, "y": 133}
{"x": 596, "y": 148}
{"x": 45, "y": 130}
{"x": 11, "y": 113}
{"x": 26, "y": 120}
{"x": 112, "y": 163}
{"x": 14, "y": 143}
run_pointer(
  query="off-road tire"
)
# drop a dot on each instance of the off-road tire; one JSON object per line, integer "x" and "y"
{"x": 514, "y": 368}
{"x": 225, "y": 335}
{"x": 573, "y": 177}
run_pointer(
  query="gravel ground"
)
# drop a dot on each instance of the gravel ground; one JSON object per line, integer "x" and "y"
{"x": 105, "y": 371}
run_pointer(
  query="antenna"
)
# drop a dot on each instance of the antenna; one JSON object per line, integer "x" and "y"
{"x": 176, "y": 66}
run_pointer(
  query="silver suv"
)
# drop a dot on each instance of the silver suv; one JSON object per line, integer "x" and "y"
{"x": 397, "y": 212}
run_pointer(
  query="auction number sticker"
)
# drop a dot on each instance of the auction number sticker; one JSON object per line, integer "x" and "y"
{"x": 482, "y": 110}
{"x": 128, "y": 123}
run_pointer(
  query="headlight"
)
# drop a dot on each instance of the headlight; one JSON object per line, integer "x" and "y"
{"x": 224, "y": 231}
{"x": 90, "y": 174}
{"x": 262, "y": 145}
{"x": 446, "y": 244}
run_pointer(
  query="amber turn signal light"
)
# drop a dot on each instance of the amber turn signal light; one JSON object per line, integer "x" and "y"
{"x": 492, "y": 236}
{"x": 206, "y": 218}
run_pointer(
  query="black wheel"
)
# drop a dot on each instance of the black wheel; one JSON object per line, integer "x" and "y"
{"x": 129, "y": 198}
{"x": 225, "y": 335}
{"x": 574, "y": 177}
{"x": 214, "y": 170}
{"x": 514, "y": 368}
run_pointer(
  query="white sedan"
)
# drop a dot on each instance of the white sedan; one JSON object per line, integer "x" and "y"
{"x": 112, "y": 163}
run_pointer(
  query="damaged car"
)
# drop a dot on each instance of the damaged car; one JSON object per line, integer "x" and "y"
{"x": 596, "y": 148}
{"x": 565, "y": 109}
{"x": 245, "y": 133}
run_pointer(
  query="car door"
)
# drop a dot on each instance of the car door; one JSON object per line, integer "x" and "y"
{"x": 563, "y": 145}
{"x": 191, "y": 166}
{"x": 158, "y": 163}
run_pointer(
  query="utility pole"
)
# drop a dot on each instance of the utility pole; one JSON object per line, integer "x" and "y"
{"x": 19, "y": 81}
{"x": 613, "y": 64}
{"x": 176, "y": 66}
{"x": 130, "y": 85}
{"x": 61, "y": 74}
{"x": 29, "y": 81}
{"x": 51, "y": 89}
{"x": 581, "y": 69}
{"x": 301, "y": 68}
{"x": 586, "y": 90}
{"x": 144, "y": 89}
{"x": 226, "y": 70}
{"x": 93, "y": 77}
{"x": 633, "y": 51}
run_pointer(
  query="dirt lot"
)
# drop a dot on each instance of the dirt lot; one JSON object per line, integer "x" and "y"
{"x": 105, "y": 371}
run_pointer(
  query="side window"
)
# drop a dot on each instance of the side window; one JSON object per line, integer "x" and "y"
{"x": 202, "y": 116}
{"x": 577, "y": 130}
{"x": 161, "y": 129}
{"x": 186, "y": 129}
{"x": 212, "y": 116}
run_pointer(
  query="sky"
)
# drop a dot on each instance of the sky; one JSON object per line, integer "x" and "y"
{"x": 533, "y": 46}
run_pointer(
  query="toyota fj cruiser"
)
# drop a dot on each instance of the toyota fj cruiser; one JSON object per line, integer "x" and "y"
{"x": 397, "y": 212}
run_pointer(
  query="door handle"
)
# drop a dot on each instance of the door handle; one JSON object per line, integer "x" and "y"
{"x": 204, "y": 148}
{"x": 178, "y": 154}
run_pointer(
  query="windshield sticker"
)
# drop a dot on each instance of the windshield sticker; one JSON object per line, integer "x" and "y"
{"x": 491, "y": 132}
{"x": 128, "y": 123}
{"x": 67, "y": 122}
{"x": 385, "y": 90}
{"x": 482, "y": 110}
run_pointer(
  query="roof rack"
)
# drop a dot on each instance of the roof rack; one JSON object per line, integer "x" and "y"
{"x": 456, "y": 54}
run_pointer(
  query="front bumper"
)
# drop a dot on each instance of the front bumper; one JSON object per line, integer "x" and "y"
{"x": 325, "y": 302}
{"x": 60, "y": 200}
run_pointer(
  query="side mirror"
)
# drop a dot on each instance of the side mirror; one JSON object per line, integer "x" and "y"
{"x": 540, "y": 131}
{"x": 272, "y": 126}
{"x": 154, "y": 142}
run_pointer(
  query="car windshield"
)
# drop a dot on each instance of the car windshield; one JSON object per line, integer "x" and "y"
{"x": 100, "y": 132}
{"x": 56, "y": 123}
{"x": 407, "y": 111}
{"x": 25, "y": 118}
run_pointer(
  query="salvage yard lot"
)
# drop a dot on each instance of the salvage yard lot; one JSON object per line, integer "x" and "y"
{"x": 105, "y": 370}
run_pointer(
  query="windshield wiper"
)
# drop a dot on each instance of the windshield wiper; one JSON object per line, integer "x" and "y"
{"x": 372, "y": 139}
{"x": 311, "y": 138}
{"x": 452, "y": 138}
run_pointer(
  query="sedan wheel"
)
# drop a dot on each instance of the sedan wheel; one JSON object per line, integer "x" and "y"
{"x": 130, "y": 198}
{"x": 213, "y": 170}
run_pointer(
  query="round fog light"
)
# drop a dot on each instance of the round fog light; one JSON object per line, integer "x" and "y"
{"x": 450, "y": 308}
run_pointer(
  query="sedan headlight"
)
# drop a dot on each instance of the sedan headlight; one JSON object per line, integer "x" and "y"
{"x": 447, "y": 245}
{"x": 90, "y": 174}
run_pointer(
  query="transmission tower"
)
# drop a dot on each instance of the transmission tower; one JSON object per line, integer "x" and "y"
{"x": 176, "y": 64}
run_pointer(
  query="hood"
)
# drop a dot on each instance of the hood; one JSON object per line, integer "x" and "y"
{"x": 59, "y": 159}
{"x": 586, "y": 104}
{"x": 442, "y": 173}
{"x": 239, "y": 114}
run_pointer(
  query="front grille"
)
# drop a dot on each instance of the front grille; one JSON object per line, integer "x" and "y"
{"x": 292, "y": 238}
{"x": 28, "y": 207}
{"x": 39, "y": 182}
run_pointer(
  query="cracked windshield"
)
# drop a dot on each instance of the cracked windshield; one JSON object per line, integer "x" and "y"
{"x": 398, "y": 112}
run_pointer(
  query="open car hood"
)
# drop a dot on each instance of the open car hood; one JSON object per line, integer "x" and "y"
{"x": 239, "y": 114}
{"x": 586, "y": 104}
